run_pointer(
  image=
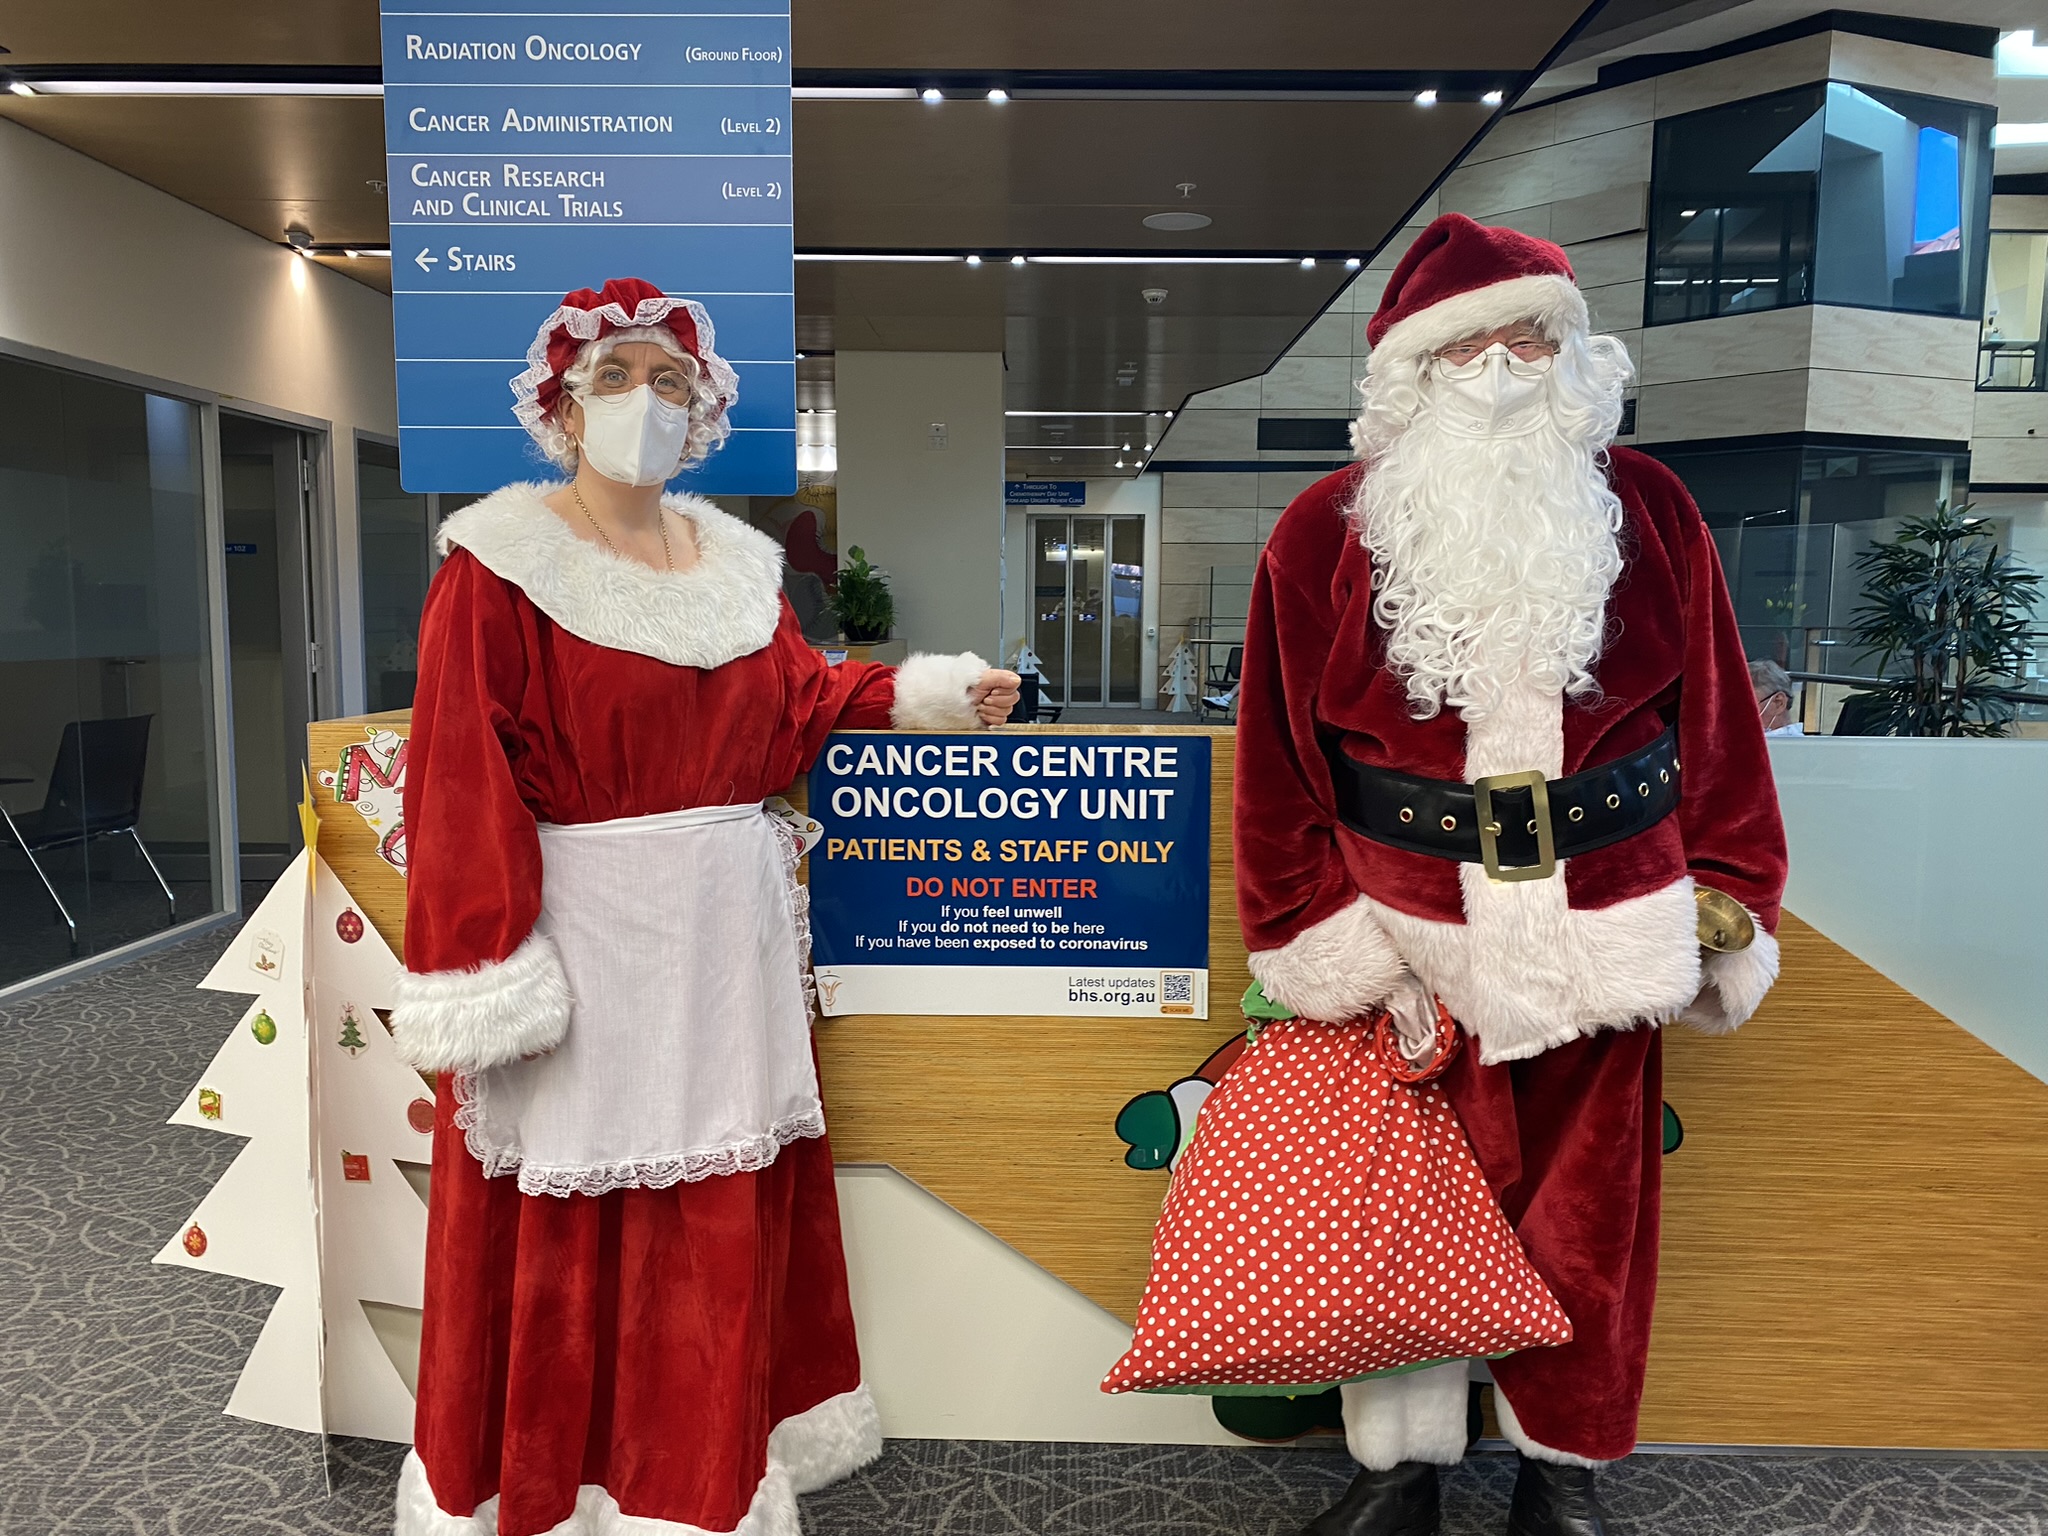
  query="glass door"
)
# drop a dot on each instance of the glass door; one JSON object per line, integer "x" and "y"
{"x": 265, "y": 490}
{"x": 1088, "y": 601}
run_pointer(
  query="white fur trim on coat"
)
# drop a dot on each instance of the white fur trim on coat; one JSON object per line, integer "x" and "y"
{"x": 725, "y": 606}
{"x": 1732, "y": 986}
{"x": 1340, "y": 968}
{"x": 1415, "y": 1416}
{"x": 931, "y": 693}
{"x": 1552, "y": 301}
{"x": 831, "y": 1441}
{"x": 1511, "y": 1430}
{"x": 465, "y": 1021}
{"x": 1526, "y": 971}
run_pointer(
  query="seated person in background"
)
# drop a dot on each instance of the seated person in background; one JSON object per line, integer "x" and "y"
{"x": 1773, "y": 688}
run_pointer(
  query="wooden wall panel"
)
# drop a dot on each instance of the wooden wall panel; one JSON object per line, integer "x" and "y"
{"x": 1855, "y": 1229}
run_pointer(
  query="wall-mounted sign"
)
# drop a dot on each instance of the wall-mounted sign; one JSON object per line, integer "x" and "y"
{"x": 1045, "y": 493}
{"x": 533, "y": 149}
{"x": 1011, "y": 875}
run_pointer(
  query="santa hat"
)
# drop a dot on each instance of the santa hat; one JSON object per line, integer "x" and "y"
{"x": 1462, "y": 278}
{"x": 627, "y": 309}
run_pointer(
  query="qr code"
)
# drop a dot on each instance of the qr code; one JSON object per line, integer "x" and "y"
{"x": 1176, "y": 986}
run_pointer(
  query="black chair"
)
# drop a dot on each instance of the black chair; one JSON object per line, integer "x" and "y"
{"x": 95, "y": 791}
{"x": 1220, "y": 695}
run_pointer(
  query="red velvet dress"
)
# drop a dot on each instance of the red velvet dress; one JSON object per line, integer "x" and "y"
{"x": 681, "y": 1355}
{"x": 1559, "y": 982}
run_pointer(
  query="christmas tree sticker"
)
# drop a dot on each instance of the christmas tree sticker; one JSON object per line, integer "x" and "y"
{"x": 326, "y": 1201}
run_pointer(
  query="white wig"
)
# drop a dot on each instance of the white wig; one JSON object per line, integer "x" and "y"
{"x": 708, "y": 425}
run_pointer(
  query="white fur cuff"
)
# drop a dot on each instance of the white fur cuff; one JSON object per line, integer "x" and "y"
{"x": 931, "y": 693}
{"x": 1732, "y": 986}
{"x": 1415, "y": 1416}
{"x": 1511, "y": 1431}
{"x": 1340, "y": 968}
{"x": 826, "y": 1443}
{"x": 465, "y": 1021}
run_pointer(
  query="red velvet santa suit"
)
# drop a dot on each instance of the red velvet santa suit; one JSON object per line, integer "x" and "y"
{"x": 681, "y": 1355}
{"x": 1559, "y": 982}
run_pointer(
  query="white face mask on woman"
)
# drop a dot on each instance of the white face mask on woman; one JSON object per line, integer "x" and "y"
{"x": 635, "y": 438}
{"x": 1494, "y": 395}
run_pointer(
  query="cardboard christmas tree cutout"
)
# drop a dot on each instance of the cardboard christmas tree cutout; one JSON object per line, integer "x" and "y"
{"x": 1183, "y": 679}
{"x": 316, "y": 1203}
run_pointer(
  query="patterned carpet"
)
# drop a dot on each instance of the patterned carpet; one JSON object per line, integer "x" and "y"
{"x": 112, "y": 1370}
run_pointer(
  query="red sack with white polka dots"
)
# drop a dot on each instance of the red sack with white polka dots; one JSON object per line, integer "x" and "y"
{"x": 1327, "y": 1222}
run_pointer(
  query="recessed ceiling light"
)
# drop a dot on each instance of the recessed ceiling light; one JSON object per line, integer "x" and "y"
{"x": 931, "y": 94}
{"x": 1127, "y": 447}
{"x": 1352, "y": 263}
{"x": 208, "y": 88}
{"x": 1425, "y": 98}
{"x": 21, "y": 88}
{"x": 1016, "y": 261}
{"x": 799, "y": 357}
{"x": 1177, "y": 221}
{"x": 999, "y": 95}
{"x": 973, "y": 261}
{"x": 1494, "y": 98}
{"x": 1308, "y": 263}
{"x": 854, "y": 93}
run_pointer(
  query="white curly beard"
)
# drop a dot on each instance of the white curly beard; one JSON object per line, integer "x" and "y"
{"x": 1492, "y": 557}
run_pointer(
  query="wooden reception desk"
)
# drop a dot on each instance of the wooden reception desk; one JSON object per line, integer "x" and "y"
{"x": 1855, "y": 1225}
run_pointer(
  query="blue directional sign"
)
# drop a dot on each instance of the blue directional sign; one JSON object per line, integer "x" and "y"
{"x": 534, "y": 149}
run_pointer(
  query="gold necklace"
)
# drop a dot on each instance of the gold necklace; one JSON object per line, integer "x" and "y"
{"x": 661, "y": 521}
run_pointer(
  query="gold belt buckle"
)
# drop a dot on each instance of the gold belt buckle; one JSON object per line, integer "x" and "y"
{"x": 1489, "y": 828}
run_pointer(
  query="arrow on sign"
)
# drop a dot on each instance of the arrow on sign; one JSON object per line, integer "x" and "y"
{"x": 424, "y": 261}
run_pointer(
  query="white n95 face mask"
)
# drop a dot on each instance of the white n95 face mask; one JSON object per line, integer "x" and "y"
{"x": 1497, "y": 394}
{"x": 635, "y": 438}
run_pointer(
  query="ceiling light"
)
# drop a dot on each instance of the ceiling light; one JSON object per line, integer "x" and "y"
{"x": 2009, "y": 135}
{"x": 799, "y": 357}
{"x": 1177, "y": 220}
{"x": 1169, "y": 415}
{"x": 208, "y": 88}
{"x": 21, "y": 88}
{"x": 973, "y": 261}
{"x": 1308, "y": 263}
{"x": 1119, "y": 463}
{"x": 871, "y": 256}
{"x": 1127, "y": 447}
{"x": 1425, "y": 98}
{"x": 1080, "y": 413}
{"x": 854, "y": 93}
{"x": 1016, "y": 261}
{"x": 1493, "y": 98}
{"x": 931, "y": 95}
{"x": 1162, "y": 259}
{"x": 999, "y": 95}
{"x": 1352, "y": 263}
{"x": 1688, "y": 213}
{"x": 351, "y": 253}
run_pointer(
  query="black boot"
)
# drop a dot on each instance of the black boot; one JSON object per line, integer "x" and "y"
{"x": 1402, "y": 1502}
{"x": 1551, "y": 1500}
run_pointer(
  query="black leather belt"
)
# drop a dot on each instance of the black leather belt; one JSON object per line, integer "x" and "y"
{"x": 1516, "y": 824}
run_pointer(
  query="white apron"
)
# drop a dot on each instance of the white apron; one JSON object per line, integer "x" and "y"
{"x": 688, "y": 1051}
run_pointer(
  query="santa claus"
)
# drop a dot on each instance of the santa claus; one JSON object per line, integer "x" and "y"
{"x": 636, "y": 1303}
{"x": 1496, "y": 743}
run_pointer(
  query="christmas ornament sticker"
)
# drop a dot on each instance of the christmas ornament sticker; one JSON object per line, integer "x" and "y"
{"x": 195, "y": 1241}
{"x": 349, "y": 925}
{"x": 419, "y": 1114}
{"x": 355, "y": 1167}
{"x": 266, "y": 952}
{"x": 263, "y": 1027}
{"x": 209, "y": 1104}
{"x": 352, "y": 1039}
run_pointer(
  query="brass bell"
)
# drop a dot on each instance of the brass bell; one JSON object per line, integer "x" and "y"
{"x": 1724, "y": 924}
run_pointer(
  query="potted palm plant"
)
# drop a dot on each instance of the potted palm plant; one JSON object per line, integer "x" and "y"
{"x": 1944, "y": 599}
{"x": 861, "y": 602}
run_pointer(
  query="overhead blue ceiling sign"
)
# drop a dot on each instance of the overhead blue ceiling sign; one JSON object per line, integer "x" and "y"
{"x": 533, "y": 150}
